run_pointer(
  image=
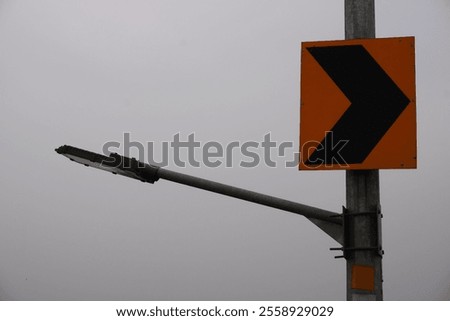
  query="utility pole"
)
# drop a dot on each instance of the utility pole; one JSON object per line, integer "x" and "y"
{"x": 362, "y": 216}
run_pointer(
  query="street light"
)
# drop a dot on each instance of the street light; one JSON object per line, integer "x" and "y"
{"x": 329, "y": 222}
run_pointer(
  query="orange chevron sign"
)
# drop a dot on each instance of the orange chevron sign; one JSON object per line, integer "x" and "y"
{"x": 358, "y": 108}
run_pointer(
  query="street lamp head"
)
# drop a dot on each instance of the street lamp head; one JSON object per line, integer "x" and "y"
{"x": 114, "y": 163}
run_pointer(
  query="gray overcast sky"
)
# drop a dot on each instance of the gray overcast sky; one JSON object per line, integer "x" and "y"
{"x": 84, "y": 72}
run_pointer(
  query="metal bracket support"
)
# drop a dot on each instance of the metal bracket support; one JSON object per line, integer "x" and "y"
{"x": 349, "y": 247}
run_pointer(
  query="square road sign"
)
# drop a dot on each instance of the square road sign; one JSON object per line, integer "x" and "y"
{"x": 358, "y": 104}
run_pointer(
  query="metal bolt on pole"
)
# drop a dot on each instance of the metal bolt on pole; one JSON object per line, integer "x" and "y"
{"x": 362, "y": 227}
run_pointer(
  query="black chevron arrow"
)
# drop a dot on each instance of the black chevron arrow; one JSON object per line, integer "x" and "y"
{"x": 376, "y": 103}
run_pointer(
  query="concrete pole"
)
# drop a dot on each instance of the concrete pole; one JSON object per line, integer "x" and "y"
{"x": 362, "y": 232}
